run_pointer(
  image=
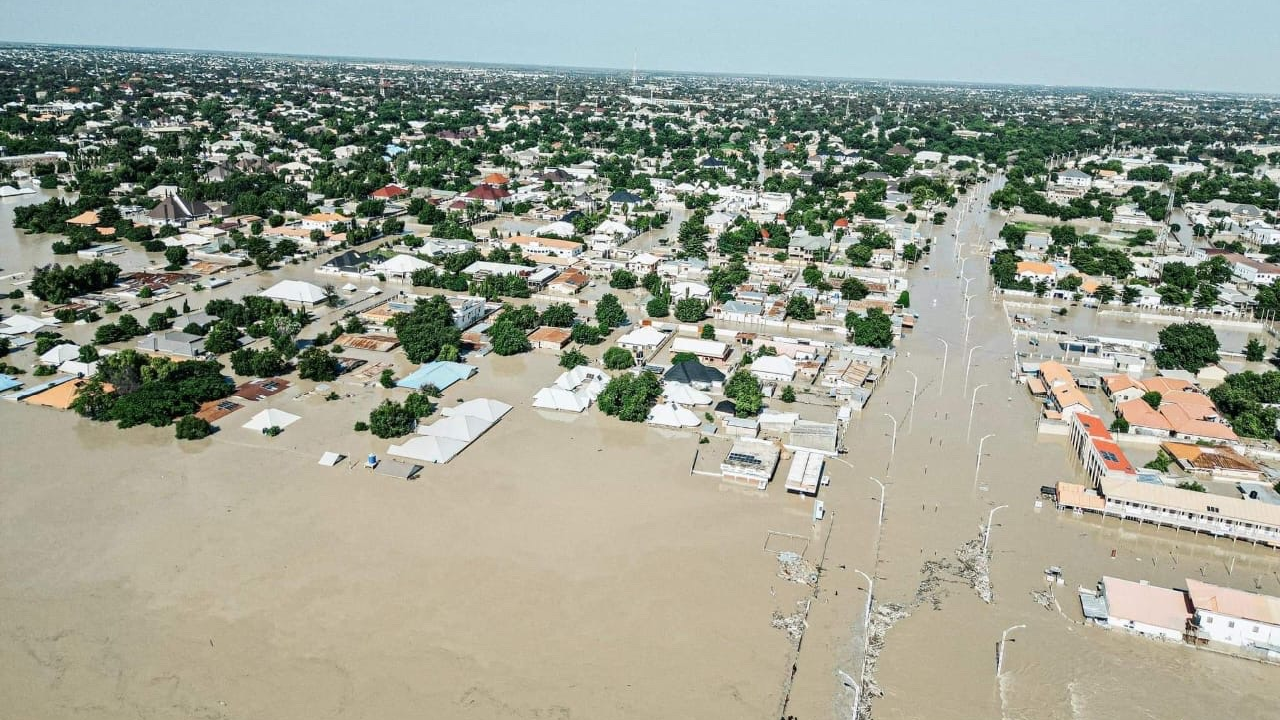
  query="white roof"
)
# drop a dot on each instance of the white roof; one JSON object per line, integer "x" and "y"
{"x": 558, "y": 228}
{"x": 554, "y": 398}
{"x": 294, "y": 291}
{"x": 613, "y": 227}
{"x": 483, "y": 408}
{"x": 465, "y": 428}
{"x": 571, "y": 379}
{"x": 672, "y": 415}
{"x": 19, "y": 324}
{"x": 59, "y": 354}
{"x": 644, "y": 336}
{"x": 374, "y": 290}
{"x": 685, "y": 395}
{"x": 682, "y": 290}
{"x": 428, "y": 448}
{"x": 271, "y": 417}
{"x": 402, "y": 264}
{"x": 774, "y": 365}
{"x": 698, "y": 346}
{"x": 349, "y": 288}
{"x": 646, "y": 259}
{"x": 329, "y": 459}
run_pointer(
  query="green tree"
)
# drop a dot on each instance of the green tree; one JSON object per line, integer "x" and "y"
{"x": 609, "y": 312}
{"x": 572, "y": 359}
{"x": 873, "y": 330}
{"x": 708, "y": 332}
{"x": 586, "y": 334}
{"x": 745, "y": 391}
{"x": 221, "y": 338}
{"x": 799, "y": 307}
{"x": 616, "y": 358}
{"x": 176, "y": 256}
{"x": 851, "y": 288}
{"x": 659, "y": 306}
{"x": 428, "y": 328}
{"x": 1152, "y": 398}
{"x": 629, "y": 397}
{"x": 812, "y": 275}
{"x": 508, "y": 338}
{"x": 690, "y": 310}
{"x": 788, "y": 394}
{"x": 622, "y": 279}
{"x": 1254, "y": 350}
{"x": 391, "y": 420}
{"x": 315, "y": 363}
{"x": 559, "y": 315}
{"x": 190, "y": 427}
{"x": 1187, "y": 346}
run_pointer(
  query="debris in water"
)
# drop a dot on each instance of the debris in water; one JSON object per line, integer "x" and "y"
{"x": 794, "y": 568}
{"x": 793, "y": 624}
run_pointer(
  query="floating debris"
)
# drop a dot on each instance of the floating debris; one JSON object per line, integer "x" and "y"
{"x": 792, "y": 567}
{"x": 795, "y": 623}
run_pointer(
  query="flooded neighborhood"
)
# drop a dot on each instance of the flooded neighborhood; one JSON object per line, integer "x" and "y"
{"x": 356, "y": 388}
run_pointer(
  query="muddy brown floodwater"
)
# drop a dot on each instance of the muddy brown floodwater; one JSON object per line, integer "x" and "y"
{"x": 938, "y": 658}
{"x": 571, "y": 566}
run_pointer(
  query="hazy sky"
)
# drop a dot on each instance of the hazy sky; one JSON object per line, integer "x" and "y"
{"x": 1230, "y": 45}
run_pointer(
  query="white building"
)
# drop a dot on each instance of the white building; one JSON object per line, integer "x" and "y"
{"x": 1145, "y": 609}
{"x": 1235, "y": 617}
{"x": 1075, "y": 178}
{"x": 774, "y": 368}
{"x": 750, "y": 463}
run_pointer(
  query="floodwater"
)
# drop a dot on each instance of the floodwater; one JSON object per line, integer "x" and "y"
{"x": 571, "y": 566}
{"x": 939, "y": 661}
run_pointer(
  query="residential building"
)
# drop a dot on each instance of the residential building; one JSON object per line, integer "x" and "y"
{"x": 1145, "y": 609}
{"x": 750, "y": 463}
{"x": 1235, "y": 617}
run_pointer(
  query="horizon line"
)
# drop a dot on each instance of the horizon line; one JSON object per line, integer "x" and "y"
{"x": 476, "y": 64}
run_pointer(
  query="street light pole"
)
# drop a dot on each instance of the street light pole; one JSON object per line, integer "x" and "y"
{"x": 973, "y": 403}
{"x": 967, "y": 320}
{"x": 911, "y": 416}
{"x": 978, "y": 465}
{"x": 1000, "y": 655}
{"x": 893, "y": 446}
{"x": 986, "y": 536}
{"x": 879, "y": 522}
{"x": 969, "y": 366}
{"x": 946, "y": 350}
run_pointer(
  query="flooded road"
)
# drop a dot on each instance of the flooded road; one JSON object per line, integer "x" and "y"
{"x": 939, "y": 660}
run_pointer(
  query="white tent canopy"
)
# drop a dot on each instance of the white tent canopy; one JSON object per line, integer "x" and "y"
{"x": 554, "y": 398}
{"x": 672, "y": 415}
{"x": 685, "y": 395}
{"x": 349, "y": 288}
{"x": 271, "y": 417}
{"x": 374, "y": 290}
{"x": 428, "y": 448}
{"x": 295, "y": 291}
{"x": 483, "y": 408}
{"x": 464, "y": 428}
{"x": 329, "y": 459}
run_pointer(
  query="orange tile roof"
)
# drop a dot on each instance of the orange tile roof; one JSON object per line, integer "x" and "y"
{"x": 1118, "y": 383}
{"x": 1112, "y": 456}
{"x": 550, "y": 334}
{"x": 60, "y": 396}
{"x": 496, "y": 179}
{"x": 1055, "y": 373}
{"x": 1067, "y": 395}
{"x": 1093, "y": 425}
{"x": 1035, "y": 268}
{"x": 1138, "y": 412}
{"x": 88, "y": 217}
{"x": 1184, "y": 424}
{"x": 1149, "y": 604}
{"x": 1074, "y": 495}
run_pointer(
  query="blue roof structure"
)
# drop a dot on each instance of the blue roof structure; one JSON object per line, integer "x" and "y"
{"x": 622, "y": 196}
{"x": 8, "y": 383}
{"x": 440, "y": 374}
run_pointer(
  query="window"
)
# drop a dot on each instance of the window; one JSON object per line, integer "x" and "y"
{"x": 1231, "y": 623}
{"x": 1209, "y": 620}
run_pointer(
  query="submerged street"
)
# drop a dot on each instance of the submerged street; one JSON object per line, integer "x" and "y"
{"x": 944, "y": 646}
